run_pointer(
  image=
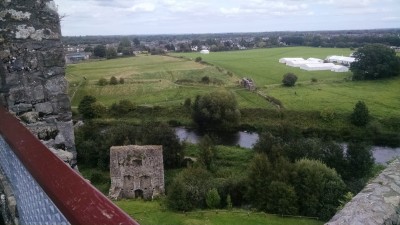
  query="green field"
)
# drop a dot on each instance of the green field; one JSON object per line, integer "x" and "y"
{"x": 331, "y": 91}
{"x": 153, "y": 213}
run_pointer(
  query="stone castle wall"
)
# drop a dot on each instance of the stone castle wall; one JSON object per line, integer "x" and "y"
{"x": 377, "y": 204}
{"x": 32, "y": 72}
{"x": 136, "y": 171}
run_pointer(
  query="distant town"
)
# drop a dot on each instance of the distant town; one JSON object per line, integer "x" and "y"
{"x": 82, "y": 47}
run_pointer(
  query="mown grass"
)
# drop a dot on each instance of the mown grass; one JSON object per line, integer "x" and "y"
{"x": 154, "y": 213}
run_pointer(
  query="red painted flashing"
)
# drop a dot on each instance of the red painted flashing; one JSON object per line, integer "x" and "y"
{"x": 79, "y": 201}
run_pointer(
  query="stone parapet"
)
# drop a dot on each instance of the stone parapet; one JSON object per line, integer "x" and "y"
{"x": 377, "y": 204}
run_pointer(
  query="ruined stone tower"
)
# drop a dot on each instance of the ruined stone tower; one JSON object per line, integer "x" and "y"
{"x": 32, "y": 73}
{"x": 136, "y": 171}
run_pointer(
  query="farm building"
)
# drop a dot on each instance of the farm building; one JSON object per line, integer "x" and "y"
{"x": 317, "y": 66}
{"x": 205, "y": 52}
{"x": 340, "y": 59}
{"x": 285, "y": 60}
{"x": 315, "y": 60}
{"x": 339, "y": 69}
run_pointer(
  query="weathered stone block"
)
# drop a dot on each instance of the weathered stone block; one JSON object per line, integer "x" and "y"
{"x": 21, "y": 108}
{"x": 30, "y": 117}
{"x": 45, "y": 108}
{"x": 65, "y": 135}
{"x": 55, "y": 86}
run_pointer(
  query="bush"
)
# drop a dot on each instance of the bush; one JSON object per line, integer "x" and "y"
{"x": 121, "y": 80}
{"x": 327, "y": 114}
{"x": 102, "y": 81}
{"x": 213, "y": 200}
{"x": 205, "y": 80}
{"x": 229, "y": 204}
{"x": 314, "y": 80}
{"x": 113, "y": 80}
{"x": 85, "y": 107}
{"x": 198, "y": 59}
{"x": 187, "y": 103}
{"x": 289, "y": 79}
{"x": 360, "y": 115}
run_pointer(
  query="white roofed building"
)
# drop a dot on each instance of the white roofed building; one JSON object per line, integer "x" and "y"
{"x": 340, "y": 59}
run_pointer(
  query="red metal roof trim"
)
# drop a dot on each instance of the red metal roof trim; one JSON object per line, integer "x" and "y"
{"x": 78, "y": 200}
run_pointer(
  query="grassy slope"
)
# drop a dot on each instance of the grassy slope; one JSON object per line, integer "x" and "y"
{"x": 153, "y": 213}
{"x": 148, "y": 80}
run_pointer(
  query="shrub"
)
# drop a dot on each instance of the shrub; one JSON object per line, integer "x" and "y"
{"x": 360, "y": 115}
{"x": 314, "y": 80}
{"x": 327, "y": 114}
{"x": 213, "y": 200}
{"x": 187, "y": 103}
{"x": 229, "y": 204}
{"x": 102, "y": 81}
{"x": 85, "y": 107}
{"x": 113, "y": 80}
{"x": 205, "y": 80}
{"x": 289, "y": 79}
{"x": 198, "y": 59}
{"x": 121, "y": 80}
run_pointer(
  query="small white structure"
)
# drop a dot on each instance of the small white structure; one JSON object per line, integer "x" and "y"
{"x": 317, "y": 66}
{"x": 340, "y": 59}
{"x": 315, "y": 60}
{"x": 204, "y": 51}
{"x": 339, "y": 69}
{"x": 285, "y": 60}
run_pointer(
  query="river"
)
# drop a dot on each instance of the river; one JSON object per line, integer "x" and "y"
{"x": 248, "y": 139}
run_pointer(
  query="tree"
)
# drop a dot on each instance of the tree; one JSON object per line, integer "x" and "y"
{"x": 289, "y": 79}
{"x": 99, "y": 51}
{"x": 213, "y": 200}
{"x": 207, "y": 152}
{"x": 125, "y": 47}
{"x": 375, "y": 61}
{"x": 121, "y": 80}
{"x": 136, "y": 42}
{"x": 318, "y": 188}
{"x": 217, "y": 110}
{"x": 111, "y": 53}
{"x": 188, "y": 189}
{"x": 88, "y": 49}
{"x": 198, "y": 59}
{"x": 102, "y": 81}
{"x": 360, "y": 160}
{"x": 85, "y": 107}
{"x": 162, "y": 134}
{"x": 360, "y": 115}
{"x": 283, "y": 198}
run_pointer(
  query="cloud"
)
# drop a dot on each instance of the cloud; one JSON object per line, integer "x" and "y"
{"x": 142, "y": 7}
{"x": 391, "y": 18}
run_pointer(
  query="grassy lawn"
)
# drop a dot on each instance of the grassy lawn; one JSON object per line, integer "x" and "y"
{"x": 154, "y": 213}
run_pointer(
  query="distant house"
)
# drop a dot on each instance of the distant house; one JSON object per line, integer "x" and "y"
{"x": 194, "y": 48}
{"x": 77, "y": 57}
{"x": 205, "y": 51}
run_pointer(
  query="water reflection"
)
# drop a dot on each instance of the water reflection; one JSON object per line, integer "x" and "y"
{"x": 247, "y": 140}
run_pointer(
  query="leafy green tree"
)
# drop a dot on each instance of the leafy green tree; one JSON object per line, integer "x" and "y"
{"x": 260, "y": 172}
{"x": 217, "y": 110}
{"x": 113, "y": 80}
{"x": 318, "y": 189}
{"x": 188, "y": 189}
{"x": 213, "y": 200}
{"x": 289, "y": 79}
{"x": 88, "y": 49}
{"x": 282, "y": 198}
{"x": 360, "y": 160}
{"x": 111, "y": 53}
{"x": 187, "y": 103}
{"x": 100, "y": 51}
{"x": 360, "y": 116}
{"x": 162, "y": 134}
{"x": 375, "y": 61}
{"x": 207, "y": 152}
{"x": 125, "y": 47}
{"x": 85, "y": 107}
{"x": 136, "y": 42}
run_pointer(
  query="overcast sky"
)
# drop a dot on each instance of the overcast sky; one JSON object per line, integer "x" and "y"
{"x": 123, "y": 17}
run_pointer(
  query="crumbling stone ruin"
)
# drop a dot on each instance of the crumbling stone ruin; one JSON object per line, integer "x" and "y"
{"x": 136, "y": 171}
{"x": 32, "y": 72}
